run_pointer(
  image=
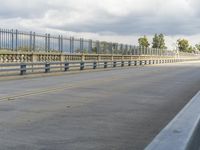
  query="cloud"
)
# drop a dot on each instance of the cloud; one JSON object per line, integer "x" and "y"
{"x": 104, "y": 18}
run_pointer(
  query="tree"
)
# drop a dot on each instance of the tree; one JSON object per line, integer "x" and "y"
{"x": 159, "y": 41}
{"x": 143, "y": 42}
{"x": 183, "y": 45}
{"x": 197, "y": 47}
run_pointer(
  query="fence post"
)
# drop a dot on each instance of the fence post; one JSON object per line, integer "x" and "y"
{"x": 61, "y": 43}
{"x": 16, "y": 41}
{"x": 98, "y": 47}
{"x": 0, "y": 38}
{"x": 46, "y": 39}
{"x": 30, "y": 42}
{"x": 48, "y": 42}
{"x": 12, "y": 40}
{"x": 80, "y": 45}
{"x": 33, "y": 41}
{"x": 90, "y": 46}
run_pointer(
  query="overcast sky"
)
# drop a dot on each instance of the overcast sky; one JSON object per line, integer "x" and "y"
{"x": 113, "y": 20}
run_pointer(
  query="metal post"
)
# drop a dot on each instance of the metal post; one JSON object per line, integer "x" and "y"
{"x": 66, "y": 66}
{"x": 141, "y": 62}
{"x": 33, "y": 41}
{"x": 48, "y": 42}
{"x": 129, "y": 63}
{"x": 30, "y": 42}
{"x": 98, "y": 47}
{"x": 122, "y": 64}
{"x": 82, "y": 65}
{"x": 0, "y": 38}
{"x": 135, "y": 63}
{"x": 90, "y": 46}
{"x": 61, "y": 43}
{"x": 81, "y": 44}
{"x": 149, "y": 62}
{"x": 47, "y": 67}
{"x": 114, "y": 64}
{"x": 105, "y": 64}
{"x": 22, "y": 69}
{"x": 12, "y": 40}
{"x": 94, "y": 65}
{"x": 16, "y": 40}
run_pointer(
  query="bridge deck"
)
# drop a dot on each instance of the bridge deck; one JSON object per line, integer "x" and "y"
{"x": 118, "y": 109}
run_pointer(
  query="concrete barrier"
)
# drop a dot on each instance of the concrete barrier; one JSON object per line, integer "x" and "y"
{"x": 183, "y": 132}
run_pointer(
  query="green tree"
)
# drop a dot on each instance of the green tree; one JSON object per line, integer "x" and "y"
{"x": 159, "y": 41}
{"x": 143, "y": 42}
{"x": 191, "y": 49}
{"x": 183, "y": 45}
{"x": 197, "y": 46}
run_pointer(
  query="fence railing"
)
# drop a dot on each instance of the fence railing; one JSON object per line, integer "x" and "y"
{"x": 15, "y": 40}
{"x": 47, "y": 67}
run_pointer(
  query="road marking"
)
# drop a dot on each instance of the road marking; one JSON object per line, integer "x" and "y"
{"x": 56, "y": 89}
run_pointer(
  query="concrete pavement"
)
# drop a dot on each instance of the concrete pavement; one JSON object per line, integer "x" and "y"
{"x": 108, "y": 110}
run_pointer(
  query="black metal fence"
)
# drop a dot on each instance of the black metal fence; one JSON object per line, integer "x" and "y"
{"x": 15, "y": 40}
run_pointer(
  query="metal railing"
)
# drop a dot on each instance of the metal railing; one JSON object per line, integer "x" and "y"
{"x": 30, "y": 68}
{"x": 15, "y": 40}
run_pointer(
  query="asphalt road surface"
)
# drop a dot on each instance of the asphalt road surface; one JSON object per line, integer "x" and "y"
{"x": 120, "y": 109}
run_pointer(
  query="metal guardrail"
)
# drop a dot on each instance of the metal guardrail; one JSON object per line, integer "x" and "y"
{"x": 40, "y": 67}
{"x": 183, "y": 132}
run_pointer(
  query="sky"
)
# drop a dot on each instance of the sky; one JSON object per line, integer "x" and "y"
{"x": 122, "y": 21}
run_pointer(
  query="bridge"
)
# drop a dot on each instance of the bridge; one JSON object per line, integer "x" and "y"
{"x": 114, "y": 109}
{"x": 110, "y": 97}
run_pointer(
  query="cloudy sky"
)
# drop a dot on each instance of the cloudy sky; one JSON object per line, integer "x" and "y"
{"x": 112, "y": 20}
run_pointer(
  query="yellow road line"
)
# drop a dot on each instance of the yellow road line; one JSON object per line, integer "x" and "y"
{"x": 58, "y": 88}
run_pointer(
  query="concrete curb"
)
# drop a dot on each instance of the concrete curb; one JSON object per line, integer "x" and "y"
{"x": 183, "y": 132}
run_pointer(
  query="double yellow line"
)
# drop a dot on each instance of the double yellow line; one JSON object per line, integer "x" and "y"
{"x": 58, "y": 88}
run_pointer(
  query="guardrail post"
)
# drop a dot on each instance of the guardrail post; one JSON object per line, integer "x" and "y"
{"x": 94, "y": 65}
{"x": 22, "y": 69}
{"x": 122, "y": 63}
{"x": 47, "y": 67}
{"x": 82, "y": 65}
{"x": 129, "y": 63}
{"x": 149, "y": 62}
{"x": 105, "y": 64}
{"x": 135, "y": 63}
{"x": 114, "y": 64}
{"x": 141, "y": 62}
{"x": 66, "y": 66}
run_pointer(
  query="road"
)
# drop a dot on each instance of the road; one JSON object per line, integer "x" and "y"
{"x": 120, "y": 109}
